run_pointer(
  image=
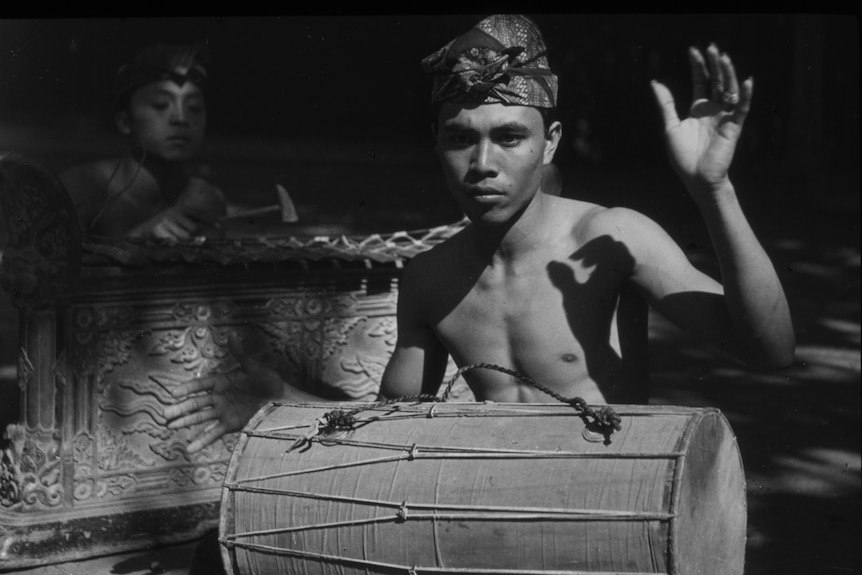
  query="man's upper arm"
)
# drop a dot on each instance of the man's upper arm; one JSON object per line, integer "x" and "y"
{"x": 667, "y": 279}
{"x": 418, "y": 363}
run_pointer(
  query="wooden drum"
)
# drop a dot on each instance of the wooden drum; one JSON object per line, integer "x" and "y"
{"x": 486, "y": 488}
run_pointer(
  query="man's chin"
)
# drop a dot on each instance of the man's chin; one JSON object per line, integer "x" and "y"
{"x": 488, "y": 219}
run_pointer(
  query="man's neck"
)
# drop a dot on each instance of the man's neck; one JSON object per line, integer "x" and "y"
{"x": 518, "y": 238}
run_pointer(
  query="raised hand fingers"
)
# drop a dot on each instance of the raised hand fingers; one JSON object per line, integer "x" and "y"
{"x": 740, "y": 111}
{"x": 714, "y": 79}
{"x": 716, "y": 72}
{"x": 730, "y": 93}
{"x": 699, "y": 76}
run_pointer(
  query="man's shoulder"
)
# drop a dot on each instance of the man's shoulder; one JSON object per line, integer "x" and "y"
{"x": 428, "y": 263}
{"x": 641, "y": 236}
{"x": 438, "y": 253}
{"x": 595, "y": 219}
{"x": 583, "y": 218}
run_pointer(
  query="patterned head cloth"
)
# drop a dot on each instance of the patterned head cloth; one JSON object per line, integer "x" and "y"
{"x": 180, "y": 64}
{"x": 502, "y": 59}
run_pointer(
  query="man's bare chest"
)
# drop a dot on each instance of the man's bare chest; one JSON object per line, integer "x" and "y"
{"x": 555, "y": 300}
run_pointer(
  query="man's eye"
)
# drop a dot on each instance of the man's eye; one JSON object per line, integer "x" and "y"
{"x": 160, "y": 105}
{"x": 460, "y": 139}
{"x": 510, "y": 139}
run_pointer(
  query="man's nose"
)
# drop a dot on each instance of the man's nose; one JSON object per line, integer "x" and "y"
{"x": 483, "y": 157}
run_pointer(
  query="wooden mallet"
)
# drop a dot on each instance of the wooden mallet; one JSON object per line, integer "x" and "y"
{"x": 284, "y": 207}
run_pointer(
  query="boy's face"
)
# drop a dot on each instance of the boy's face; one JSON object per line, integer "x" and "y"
{"x": 492, "y": 157}
{"x": 165, "y": 120}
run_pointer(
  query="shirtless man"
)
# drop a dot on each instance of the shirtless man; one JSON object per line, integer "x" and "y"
{"x": 533, "y": 282}
{"x": 148, "y": 192}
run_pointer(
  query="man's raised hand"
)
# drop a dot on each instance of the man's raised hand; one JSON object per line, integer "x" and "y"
{"x": 701, "y": 146}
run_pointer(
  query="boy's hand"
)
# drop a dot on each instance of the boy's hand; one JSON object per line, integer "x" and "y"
{"x": 172, "y": 224}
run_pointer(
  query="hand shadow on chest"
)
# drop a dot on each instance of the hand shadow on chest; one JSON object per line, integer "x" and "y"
{"x": 591, "y": 284}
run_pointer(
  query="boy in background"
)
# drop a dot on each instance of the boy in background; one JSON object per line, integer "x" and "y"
{"x": 148, "y": 192}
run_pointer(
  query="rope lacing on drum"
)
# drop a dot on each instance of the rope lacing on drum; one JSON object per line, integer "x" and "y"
{"x": 345, "y": 419}
{"x": 402, "y": 513}
{"x": 602, "y": 419}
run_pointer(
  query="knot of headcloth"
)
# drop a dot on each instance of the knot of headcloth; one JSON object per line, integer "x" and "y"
{"x": 502, "y": 59}
{"x": 180, "y": 64}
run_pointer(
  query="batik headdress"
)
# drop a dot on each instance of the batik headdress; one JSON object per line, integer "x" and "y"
{"x": 180, "y": 64}
{"x": 502, "y": 59}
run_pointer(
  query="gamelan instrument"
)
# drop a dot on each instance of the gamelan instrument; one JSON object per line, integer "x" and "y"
{"x": 486, "y": 488}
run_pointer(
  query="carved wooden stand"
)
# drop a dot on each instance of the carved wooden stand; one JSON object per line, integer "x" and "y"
{"x": 108, "y": 327}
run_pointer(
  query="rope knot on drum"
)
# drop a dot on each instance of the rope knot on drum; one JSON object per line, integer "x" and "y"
{"x": 600, "y": 419}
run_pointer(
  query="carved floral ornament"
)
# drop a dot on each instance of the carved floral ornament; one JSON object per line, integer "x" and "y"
{"x": 30, "y": 469}
{"x": 42, "y": 258}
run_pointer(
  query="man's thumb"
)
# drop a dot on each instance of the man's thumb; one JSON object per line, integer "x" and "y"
{"x": 666, "y": 104}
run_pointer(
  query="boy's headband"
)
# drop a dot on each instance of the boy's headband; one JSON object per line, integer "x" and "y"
{"x": 179, "y": 64}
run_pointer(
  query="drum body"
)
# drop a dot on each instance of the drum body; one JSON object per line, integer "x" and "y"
{"x": 484, "y": 488}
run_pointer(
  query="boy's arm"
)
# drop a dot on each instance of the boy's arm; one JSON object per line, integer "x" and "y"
{"x": 196, "y": 213}
{"x": 701, "y": 147}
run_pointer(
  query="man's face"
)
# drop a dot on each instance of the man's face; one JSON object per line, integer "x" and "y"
{"x": 165, "y": 120}
{"x": 492, "y": 157}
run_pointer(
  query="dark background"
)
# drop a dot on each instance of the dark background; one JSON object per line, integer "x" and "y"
{"x": 336, "y": 109}
{"x": 308, "y": 92}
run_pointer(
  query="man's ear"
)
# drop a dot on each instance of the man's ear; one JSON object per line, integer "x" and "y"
{"x": 123, "y": 122}
{"x": 552, "y": 141}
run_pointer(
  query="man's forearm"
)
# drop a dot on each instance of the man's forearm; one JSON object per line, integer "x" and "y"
{"x": 755, "y": 298}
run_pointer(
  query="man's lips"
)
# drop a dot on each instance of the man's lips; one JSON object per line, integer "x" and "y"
{"x": 482, "y": 192}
